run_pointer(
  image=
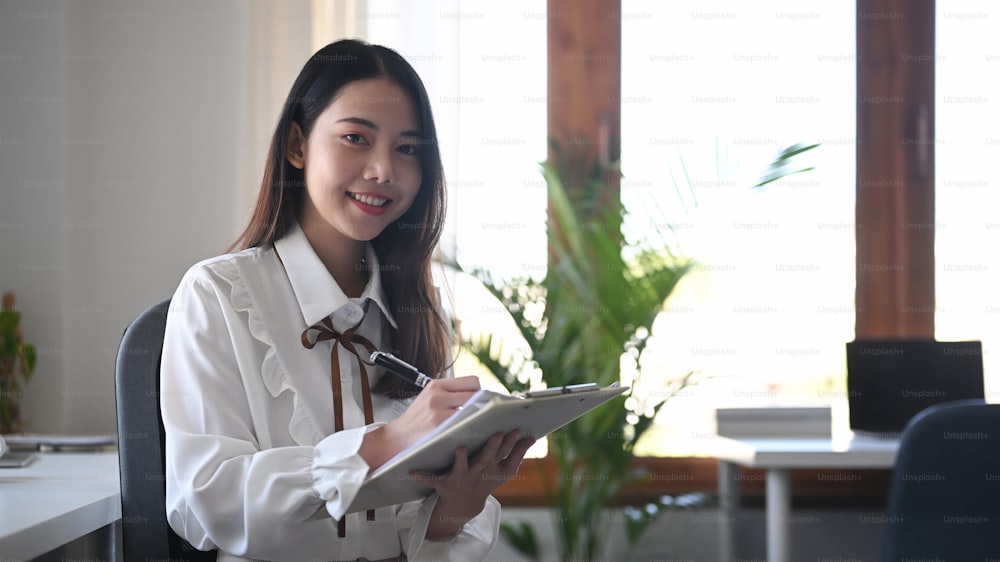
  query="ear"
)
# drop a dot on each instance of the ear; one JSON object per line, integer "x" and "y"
{"x": 295, "y": 151}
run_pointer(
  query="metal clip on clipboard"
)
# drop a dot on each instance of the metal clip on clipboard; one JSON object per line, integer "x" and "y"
{"x": 569, "y": 389}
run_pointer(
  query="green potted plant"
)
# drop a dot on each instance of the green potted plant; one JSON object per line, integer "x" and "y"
{"x": 17, "y": 362}
{"x": 588, "y": 320}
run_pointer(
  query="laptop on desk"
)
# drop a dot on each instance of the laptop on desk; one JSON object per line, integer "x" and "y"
{"x": 889, "y": 381}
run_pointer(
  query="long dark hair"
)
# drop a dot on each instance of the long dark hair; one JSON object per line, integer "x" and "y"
{"x": 404, "y": 248}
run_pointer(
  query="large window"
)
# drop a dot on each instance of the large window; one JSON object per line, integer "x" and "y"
{"x": 967, "y": 144}
{"x": 709, "y": 96}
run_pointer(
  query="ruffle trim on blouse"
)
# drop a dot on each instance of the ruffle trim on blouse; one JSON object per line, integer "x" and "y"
{"x": 301, "y": 427}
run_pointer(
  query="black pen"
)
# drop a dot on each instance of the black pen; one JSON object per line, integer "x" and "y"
{"x": 400, "y": 368}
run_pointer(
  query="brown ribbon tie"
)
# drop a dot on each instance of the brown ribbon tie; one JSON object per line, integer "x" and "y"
{"x": 325, "y": 331}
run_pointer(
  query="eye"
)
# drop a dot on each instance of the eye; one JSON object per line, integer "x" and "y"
{"x": 354, "y": 138}
{"x": 410, "y": 149}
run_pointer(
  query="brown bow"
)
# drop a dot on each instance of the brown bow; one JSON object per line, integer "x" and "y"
{"x": 325, "y": 331}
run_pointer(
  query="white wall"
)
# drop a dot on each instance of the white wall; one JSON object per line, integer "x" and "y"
{"x": 132, "y": 139}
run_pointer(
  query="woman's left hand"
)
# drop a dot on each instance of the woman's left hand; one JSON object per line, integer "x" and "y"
{"x": 463, "y": 490}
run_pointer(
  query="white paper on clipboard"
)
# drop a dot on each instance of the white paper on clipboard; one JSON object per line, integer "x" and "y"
{"x": 483, "y": 415}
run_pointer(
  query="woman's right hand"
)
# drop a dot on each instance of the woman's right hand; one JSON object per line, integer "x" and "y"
{"x": 435, "y": 403}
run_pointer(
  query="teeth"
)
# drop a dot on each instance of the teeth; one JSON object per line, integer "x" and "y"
{"x": 369, "y": 200}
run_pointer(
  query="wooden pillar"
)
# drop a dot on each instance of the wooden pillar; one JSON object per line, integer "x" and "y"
{"x": 895, "y": 169}
{"x": 584, "y": 89}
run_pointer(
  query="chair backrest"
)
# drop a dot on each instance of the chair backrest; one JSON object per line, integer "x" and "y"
{"x": 145, "y": 532}
{"x": 944, "y": 497}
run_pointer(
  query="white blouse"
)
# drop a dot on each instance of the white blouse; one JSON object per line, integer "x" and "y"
{"x": 251, "y": 453}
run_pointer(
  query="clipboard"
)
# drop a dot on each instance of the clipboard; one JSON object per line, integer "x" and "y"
{"x": 486, "y": 413}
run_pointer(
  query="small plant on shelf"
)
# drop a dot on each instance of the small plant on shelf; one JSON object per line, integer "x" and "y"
{"x": 17, "y": 363}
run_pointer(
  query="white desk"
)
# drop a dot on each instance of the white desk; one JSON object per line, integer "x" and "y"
{"x": 58, "y": 498}
{"x": 778, "y": 457}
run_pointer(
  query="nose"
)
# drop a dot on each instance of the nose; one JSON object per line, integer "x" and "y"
{"x": 379, "y": 168}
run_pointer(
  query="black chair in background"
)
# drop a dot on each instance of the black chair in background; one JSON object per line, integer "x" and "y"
{"x": 944, "y": 497}
{"x": 145, "y": 532}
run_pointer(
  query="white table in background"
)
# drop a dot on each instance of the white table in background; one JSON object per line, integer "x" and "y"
{"x": 778, "y": 457}
{"x": 57, "y": 499}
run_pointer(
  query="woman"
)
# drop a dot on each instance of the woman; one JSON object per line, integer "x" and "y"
{"x": 272, "y": 417}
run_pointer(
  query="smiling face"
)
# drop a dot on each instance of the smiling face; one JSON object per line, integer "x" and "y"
{"x": 361, "y": 162}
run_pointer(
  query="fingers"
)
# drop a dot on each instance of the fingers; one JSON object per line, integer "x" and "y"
{"x": 438, "y": 401}
{"x": 428, "y": 479}
{"x": 501, "y": 447}
{"x": 493, "y": 465}
{"x": 458, "y": 384}
{"x": 508, "y": 443}
{"x": 516, "y": 455}
{"x": 448, "y": 401}
{"x": 490, "y": 451}
{"x": 461, "y": 461}
{"x": 449, "y": 394}
{"x": 458, "y": 469}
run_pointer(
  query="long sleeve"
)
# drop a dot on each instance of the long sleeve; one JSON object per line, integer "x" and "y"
{"x": 223, "y": 491}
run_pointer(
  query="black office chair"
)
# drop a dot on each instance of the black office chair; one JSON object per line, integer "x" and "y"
{"x": 145, "y": 532}
{"x": 944, "y": 498}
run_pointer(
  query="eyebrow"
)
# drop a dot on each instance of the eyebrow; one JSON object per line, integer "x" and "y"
{"x": 369, "y": 124}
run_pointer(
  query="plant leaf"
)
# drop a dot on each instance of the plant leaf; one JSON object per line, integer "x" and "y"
{"x": 780, "y": 167}
{"x": 29, "y": 355}
{"x": 521, "y": 536}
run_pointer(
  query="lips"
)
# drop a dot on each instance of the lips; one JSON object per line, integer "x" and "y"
{"x": 369, "y": 203}
{"x": 371, "y": 200}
